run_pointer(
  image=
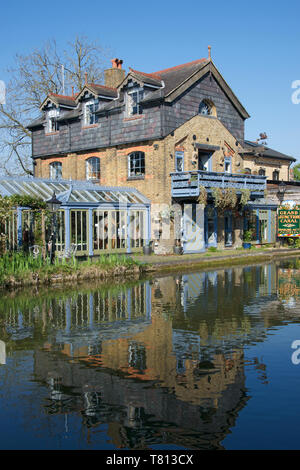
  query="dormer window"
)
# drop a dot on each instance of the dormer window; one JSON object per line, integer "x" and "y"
{"x": 90, "y": 116}
{"x": 134, "y": 98}
{"x": 52, "y": 123}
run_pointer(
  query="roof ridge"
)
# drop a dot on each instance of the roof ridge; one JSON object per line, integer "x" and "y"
{"x": 180, "y": 66}
{"x": 102, "y": 86}
{"x": 62, "y": 96}
{"x": 153, "y": 75}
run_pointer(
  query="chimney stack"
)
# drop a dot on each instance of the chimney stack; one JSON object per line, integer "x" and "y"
{"x": 115, "y": 75}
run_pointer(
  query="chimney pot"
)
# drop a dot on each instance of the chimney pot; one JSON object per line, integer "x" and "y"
{"x": 115, "y": 75}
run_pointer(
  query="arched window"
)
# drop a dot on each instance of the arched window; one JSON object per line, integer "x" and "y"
{"x": 207, "y": 108}
{"x": 247, "y": 171}
{"x": 92, "y": 169}
{"x": 55, "y": 169}
{"x": 262, "y": 172}
{"x": 136, "y": 164}
{"x": 275, "y": 175}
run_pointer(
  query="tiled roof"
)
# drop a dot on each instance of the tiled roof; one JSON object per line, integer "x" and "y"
{"x": 63, "y": 100}
{"x": 103, "y": 90}
{"x": 171, "y": 77}
{"x": 253, "y": 148}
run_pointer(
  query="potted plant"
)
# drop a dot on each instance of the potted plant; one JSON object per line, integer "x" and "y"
{"x": 247, "y": 239}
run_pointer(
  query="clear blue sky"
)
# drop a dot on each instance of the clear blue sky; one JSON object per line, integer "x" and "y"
{"x": 255, "y": 45}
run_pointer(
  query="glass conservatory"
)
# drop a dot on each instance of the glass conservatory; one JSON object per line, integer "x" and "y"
{"x": 96, "y": 219}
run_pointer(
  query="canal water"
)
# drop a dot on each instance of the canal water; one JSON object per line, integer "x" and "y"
{"x": 202, "y": 360}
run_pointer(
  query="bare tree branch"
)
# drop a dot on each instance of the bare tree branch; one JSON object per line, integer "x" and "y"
{"x": 31, "y": 79}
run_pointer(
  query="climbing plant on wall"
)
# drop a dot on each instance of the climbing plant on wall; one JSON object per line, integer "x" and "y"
{"x": 224, "y": 199}
{"x": 202, "y": 198}
{"x": 245, "y": 196}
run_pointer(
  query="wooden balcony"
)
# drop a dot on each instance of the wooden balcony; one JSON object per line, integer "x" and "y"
{"x": 188, "y": 183}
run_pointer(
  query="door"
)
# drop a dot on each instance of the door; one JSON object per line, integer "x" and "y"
{"x": 211, "y": 226}
{"x": 263, "y": 226}
{"x": 193, "y": 228}
{"x": 228, "y": 228}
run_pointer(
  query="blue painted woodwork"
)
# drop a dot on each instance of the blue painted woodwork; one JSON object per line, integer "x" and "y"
{"x": 187, "y": 184}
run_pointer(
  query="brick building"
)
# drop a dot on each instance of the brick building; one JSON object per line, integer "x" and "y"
{"x": 168, "y": 134}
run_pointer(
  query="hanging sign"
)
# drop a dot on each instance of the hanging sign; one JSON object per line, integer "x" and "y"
{"x": 289, "y": 221}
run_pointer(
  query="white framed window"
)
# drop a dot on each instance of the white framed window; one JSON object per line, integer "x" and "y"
{"x": 55, "y": 169}
{"x": 179, "y": 161}
{"x": 90, "y": 116}
{"x": 92, "y": 169}
{"x": 136, "y": 164}
{"x": 52, "y": 123}
{"x": 134, "y": 98}
{"x": 262, "y": 172}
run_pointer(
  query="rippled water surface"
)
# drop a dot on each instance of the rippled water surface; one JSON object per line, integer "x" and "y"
{"x": 202, "y": 360}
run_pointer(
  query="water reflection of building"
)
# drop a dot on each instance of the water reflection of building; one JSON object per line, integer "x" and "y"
{"x": 139, "y": 414}
{"x": 158, "y": 362}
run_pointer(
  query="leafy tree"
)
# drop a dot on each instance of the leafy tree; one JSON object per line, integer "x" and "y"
{"x": 32, "y": 77}
{"x": 296, "y": 169}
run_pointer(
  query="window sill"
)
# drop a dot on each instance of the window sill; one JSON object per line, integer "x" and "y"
{"x": 133, "y": 118}
{"x": 132, "y": 178}
{"x": 91, "y": 126}
{"x": 93, "y": 180}
{"x": 51, "y": 133}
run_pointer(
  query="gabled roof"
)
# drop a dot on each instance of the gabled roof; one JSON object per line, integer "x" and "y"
{"x": 176, "y": 80}
{"x": 255, "y": 149}
{"x": 60, "y": 100}
{"x": 173, "y": 77}
{"x": 98, "y": 90}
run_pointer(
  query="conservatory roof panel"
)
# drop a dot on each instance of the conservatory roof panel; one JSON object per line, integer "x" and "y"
{"x": 70, "y": 192}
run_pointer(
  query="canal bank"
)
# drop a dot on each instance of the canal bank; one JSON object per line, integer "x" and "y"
{"x": 138, "y": 266}
{"x": 156, "y": 263}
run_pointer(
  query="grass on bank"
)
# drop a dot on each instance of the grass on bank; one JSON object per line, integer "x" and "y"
{"x": 19, "y": 265}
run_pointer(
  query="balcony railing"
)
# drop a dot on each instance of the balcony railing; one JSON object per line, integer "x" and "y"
{"x": 188, "y": 183}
